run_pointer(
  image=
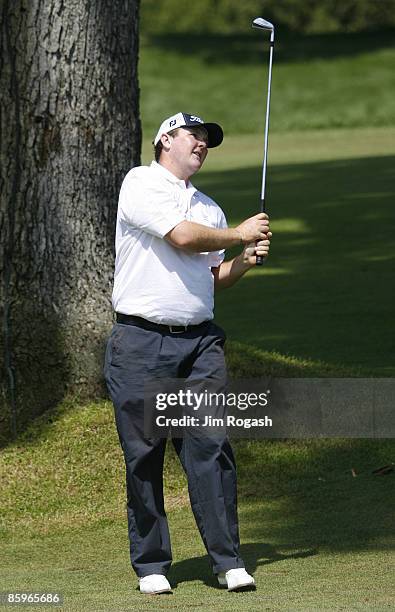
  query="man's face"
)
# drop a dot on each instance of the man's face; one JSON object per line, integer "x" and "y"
{"x": 189, "y": 148}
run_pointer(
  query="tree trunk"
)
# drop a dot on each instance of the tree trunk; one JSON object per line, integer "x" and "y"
{"x": 70, "y": 130}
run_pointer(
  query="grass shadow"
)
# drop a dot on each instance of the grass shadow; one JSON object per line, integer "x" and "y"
{"x": 38, "y": 384}
{"x": 327, "y": 291}
{"x": 301, "y": 499}
{"x": 317, "y": 494}
{"x": 254, "y": 555}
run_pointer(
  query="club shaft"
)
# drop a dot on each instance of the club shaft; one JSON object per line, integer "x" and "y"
{"x": 269, "y": 89}
{"x": 260, "y": 260}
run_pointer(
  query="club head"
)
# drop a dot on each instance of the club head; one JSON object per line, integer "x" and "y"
{"x": 262, "y": 24}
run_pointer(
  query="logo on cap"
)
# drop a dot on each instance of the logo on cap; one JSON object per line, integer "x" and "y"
{"x": 194, "y": 118}
{"x": 172, "y": 122}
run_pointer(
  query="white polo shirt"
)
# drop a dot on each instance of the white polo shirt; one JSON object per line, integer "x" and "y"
{"x": 154, "y": 279}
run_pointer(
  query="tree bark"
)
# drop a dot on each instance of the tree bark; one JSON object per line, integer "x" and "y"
{"x": 70, "y": 130}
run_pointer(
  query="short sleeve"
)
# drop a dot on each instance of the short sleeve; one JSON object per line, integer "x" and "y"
{"x": 150, "y": 208}
{"x": 215, "y": 258}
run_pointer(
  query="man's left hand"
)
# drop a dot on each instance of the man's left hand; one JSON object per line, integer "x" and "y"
{"x": 260, "y": 248}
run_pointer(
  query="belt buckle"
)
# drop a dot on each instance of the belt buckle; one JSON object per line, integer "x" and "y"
{"x": 178, "y": 332}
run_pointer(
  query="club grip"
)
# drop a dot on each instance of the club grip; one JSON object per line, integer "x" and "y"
{"x": 259, "y": 259}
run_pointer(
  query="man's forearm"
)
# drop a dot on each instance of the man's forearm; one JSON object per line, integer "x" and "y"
{"x": 199, "y": 238}
{"x": 230, "y": 271}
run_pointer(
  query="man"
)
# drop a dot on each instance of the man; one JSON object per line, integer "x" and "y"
{"x": 170, "y": 240}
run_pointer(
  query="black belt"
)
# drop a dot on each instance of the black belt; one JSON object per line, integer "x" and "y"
{"x": 140, "y": 322}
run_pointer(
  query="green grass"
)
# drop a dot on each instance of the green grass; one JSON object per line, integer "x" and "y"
{"x": 315, "y": 536}
{"x": 319, "y": 81}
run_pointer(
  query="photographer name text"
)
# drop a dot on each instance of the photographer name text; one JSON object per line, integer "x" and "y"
{"x": 209, "y": 421}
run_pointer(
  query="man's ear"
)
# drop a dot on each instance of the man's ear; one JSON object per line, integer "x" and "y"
{"x": 166, "y": 141}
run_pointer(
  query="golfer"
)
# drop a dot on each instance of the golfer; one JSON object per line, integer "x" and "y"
{"x": 170, "y": 241}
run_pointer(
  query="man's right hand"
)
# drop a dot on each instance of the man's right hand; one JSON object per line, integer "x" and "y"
{"x": 197, "y": 238}
{"x": 254, "y": 228}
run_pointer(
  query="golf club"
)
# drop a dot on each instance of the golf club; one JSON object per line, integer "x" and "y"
{"x": 262, "y": 24}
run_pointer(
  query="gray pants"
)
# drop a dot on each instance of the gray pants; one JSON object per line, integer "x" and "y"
{"x": 132, "y": 354}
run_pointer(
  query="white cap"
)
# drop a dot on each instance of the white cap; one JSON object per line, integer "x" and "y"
{"x": 214, "y": 131}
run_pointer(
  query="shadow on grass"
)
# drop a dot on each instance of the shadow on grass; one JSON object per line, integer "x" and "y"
{"x": 38, "y": 384}
{"x": 317, "y": 494}
{"x": 250, "y": 48}
{"x": 327, "y": 291}
{"x": 253, "y": 554}
{"x": 301, "y": 499}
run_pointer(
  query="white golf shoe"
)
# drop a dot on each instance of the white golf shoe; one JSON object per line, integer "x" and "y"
{"x": 154, "y": 584}
{"x": 236, "y": 579}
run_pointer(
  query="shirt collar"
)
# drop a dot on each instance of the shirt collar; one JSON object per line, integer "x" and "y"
{"x": 170, "y": 176}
